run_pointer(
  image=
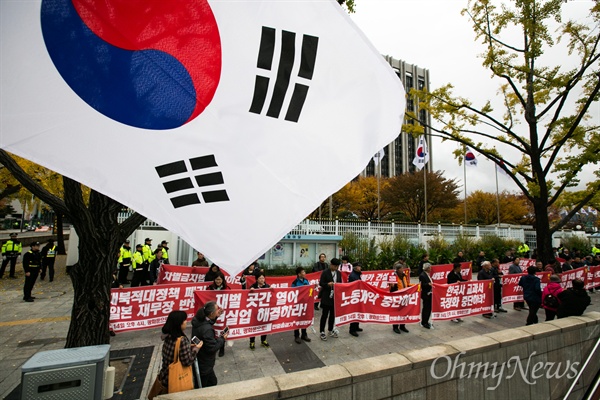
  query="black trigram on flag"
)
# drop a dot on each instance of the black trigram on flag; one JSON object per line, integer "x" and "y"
{"x": 180, "y": 181}
{"x": 308, "y": 56}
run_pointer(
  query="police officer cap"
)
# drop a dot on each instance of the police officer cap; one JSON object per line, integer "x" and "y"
{"x": 127, "y": 241}
{"x": 13, "y": 235}
{"x": 164, "y": 242}
{"x": 35, "y": 244}
{"x": 138, "y": 245}
{"x": 147, "y": 240}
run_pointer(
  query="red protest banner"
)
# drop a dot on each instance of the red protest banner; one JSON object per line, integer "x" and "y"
{"x": 439, "y": 273}
{"x": 148, "y": 306}
{"x": 360, "y": 301}
{"x": 261, "y": 311}
{"x": 181, "y": 274}
{"x": 567, "y": 277}
{"x": 462, "y": 299}
{"x": 286, "y": 281}
{"x": 512, "y": 292}
{"x": 593, "y": 277}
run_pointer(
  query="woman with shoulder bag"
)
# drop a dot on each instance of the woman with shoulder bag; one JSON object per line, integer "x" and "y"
{"x": 175, "y": 341}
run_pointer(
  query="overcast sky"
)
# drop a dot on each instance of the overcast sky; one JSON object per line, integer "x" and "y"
{"x": 434, "y": 35}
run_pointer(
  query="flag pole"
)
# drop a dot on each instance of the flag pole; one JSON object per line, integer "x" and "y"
{"x": 425, "y": 180}
{"x": 378, "y": 187}
{"x": 497, "y": 195}
{"x": 465, "y": 179}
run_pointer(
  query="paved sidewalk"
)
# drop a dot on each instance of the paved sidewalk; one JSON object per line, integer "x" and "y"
{"x": 27, "y": 328}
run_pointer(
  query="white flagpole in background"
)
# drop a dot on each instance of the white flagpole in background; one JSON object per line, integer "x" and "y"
{"x": 497, "y": 197}
{"x": 465, "y": 180}
{"x": 377, "y": 161}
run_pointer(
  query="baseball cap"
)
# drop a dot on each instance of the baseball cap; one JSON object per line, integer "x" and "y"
{"x": 127, "y": 241}
{"x": 147, "y": 240}
{"x": 35, "y": 244}
{"x": 13, "y": 235}
{"x": 164, "y": 242}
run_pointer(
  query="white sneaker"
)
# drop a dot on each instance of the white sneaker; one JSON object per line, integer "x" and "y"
{"x": 333, "y": 334}
{"x": 323, "y": 336}
{"x": 455, "y": 320}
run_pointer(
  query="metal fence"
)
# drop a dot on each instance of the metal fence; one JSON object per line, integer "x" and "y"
{"x": 416, "y": 232}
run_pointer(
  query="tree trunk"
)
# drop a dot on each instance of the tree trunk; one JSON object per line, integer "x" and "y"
{"x": 543, "y": 235}
{"x": 60, "y": 234}
{"x": 99, "y": 240}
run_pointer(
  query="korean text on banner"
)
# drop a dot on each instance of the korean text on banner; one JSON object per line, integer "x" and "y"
{"x": 361, "y": 302}
{"x": 148, "y": 306}
{"x": 462, "y": 299}
{"x": 261, "y": 311}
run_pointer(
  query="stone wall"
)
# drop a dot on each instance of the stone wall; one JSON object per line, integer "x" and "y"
{"x": 530, "y": 362}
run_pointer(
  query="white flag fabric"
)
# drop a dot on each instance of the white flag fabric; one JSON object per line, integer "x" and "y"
{"x": 224, "y": 122}
{"x": 378, "y": 157}
{"x": 470, "y": 159}
{"x": 421, "y": 155}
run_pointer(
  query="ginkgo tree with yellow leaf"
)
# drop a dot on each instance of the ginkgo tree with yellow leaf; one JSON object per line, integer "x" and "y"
{"x": 538, "y": 128}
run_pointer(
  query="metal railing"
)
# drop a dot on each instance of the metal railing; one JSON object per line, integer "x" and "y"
{"x": 417, "y": 232}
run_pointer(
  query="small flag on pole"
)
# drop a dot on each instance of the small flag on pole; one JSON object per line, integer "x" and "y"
{"x": 422, "y": 155}
{"x": 500, "y": 168}
{"x": 378, "y": 156}
{"x": 470, "y": 159}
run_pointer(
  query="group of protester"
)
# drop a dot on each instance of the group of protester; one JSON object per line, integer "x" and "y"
{"x": 556, "y": 302}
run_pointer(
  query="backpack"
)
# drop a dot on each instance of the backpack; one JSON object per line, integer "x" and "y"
{"x": 551, "y": 301}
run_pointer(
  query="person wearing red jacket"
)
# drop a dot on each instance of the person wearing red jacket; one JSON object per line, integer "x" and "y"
{"x": 553, "y": 288}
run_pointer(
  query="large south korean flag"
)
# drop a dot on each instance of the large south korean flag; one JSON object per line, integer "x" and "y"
{"x": 226, "y": 122}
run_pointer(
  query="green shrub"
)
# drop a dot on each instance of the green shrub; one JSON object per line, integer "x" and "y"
{"x": 576, "y": 243}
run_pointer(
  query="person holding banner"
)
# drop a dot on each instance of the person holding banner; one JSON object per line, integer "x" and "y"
{"x": 172, "y": 331}
{"x": 202, "y": 328}
{"x": 402, "y": 282}
{"x": 483, "y": 275}
{"x": 155, "y": 266}
{"x": 497, "y": 286}
{"x": 219, "y": 283}
{"x": 260, "y": 284}
{"x": 515, "y": 268}
{"x": 426, "y": 294}
{"x": 328, "y": 279}
{"x": 532, "y": 294}
{"x": 355, "y": 276}
{"x": 453, "y": 277}
{"x": 212, "y": 273}
{"x": 346, "y": 265}
{"x": 300, "y": 281}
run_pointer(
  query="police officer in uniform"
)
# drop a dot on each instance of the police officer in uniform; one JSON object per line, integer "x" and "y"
{"x": 125, "y": 256}
{"x": 165, "y": 251}
{"x": 11, "y": 250}
{"x": 48, "y": 258}
{"x": 32, "y": 262}
{"x": 140, "y": 271}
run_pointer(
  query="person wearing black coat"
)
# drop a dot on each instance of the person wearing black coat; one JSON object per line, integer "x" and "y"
{"x": 454, "y": 277}
{"x": 212, "y": 273}
{"x": 573, "y": 301}
{"x": 355, "y": 276}
{"x": 426, "y": 293}
{"x": 202, "y": 328}
{"x": 532, "y": 294}
{"x": 328, "y": 279}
